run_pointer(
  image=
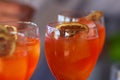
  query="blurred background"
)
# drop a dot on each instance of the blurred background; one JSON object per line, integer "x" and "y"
{"x": 44, "y": 11}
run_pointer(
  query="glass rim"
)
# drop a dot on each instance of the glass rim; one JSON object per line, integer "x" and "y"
{"x": 32, "y": 24}
{"x": 52, "y": 28}
{"x": 74, "y": 15}
{"x": 20, "y": 22}
{"x": 54, "y": 24}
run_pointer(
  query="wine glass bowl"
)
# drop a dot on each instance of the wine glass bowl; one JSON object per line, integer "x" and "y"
{"x": 19, "y": 50}
{"x": 73, "y": 45}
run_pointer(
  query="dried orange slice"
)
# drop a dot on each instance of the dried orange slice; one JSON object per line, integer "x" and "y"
{"x": 70, "y": 29}
{"x": 12, "y": 30}
{"x": 95, "y": 16}
{"x": 7, "y": 40}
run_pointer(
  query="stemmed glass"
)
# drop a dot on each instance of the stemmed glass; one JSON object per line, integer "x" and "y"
{"x": 19, "y": 50}
{"x": 74, "y": 43}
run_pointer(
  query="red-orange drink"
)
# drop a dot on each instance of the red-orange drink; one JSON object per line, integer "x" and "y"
{"x": 21, "y": 65}
{"x": 72, "y": 58}
{"x": 101, "y": 30}
{"x": 72, "y": 47}
{"x": 19, "y": 50}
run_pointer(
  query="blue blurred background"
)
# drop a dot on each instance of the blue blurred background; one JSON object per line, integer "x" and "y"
{"x": 44, "y": 11}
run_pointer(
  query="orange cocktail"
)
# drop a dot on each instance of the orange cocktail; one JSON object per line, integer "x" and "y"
{"x": 101, "y": 30}
{"x": 21, "y": 62}
{"x": 72, "y": 58}
{"x": 72, "y": 48}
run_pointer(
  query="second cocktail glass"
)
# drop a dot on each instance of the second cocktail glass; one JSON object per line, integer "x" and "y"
{"x": 73, "y": 45}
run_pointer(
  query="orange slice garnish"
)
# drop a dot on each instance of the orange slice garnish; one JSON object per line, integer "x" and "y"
{"x": 95, "y": 15}
{"x": 70, "y": 29}
{"x": 8, "y": 37}
{"x": 12, "y": 30}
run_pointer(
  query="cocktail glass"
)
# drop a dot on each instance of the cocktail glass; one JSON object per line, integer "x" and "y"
{"x": 73, "y": 45}
{"x": 19, "y": 50}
